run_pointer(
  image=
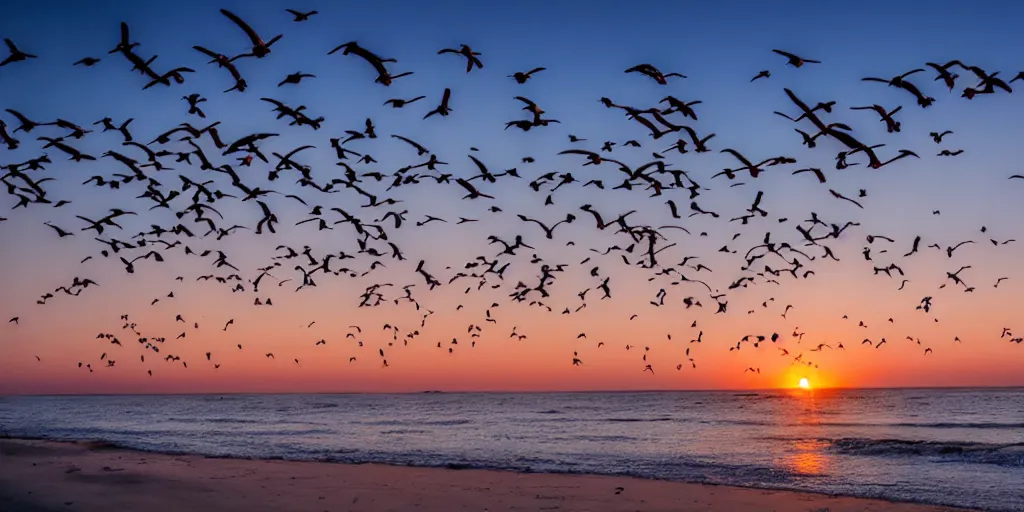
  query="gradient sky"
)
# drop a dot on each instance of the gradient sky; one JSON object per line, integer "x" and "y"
{"x": 719, "y": 46}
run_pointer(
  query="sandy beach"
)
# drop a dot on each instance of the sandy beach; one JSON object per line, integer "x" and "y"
{"x": 45, "y": 475}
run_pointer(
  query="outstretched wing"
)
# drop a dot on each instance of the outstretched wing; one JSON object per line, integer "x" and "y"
{"x": 253, "y": 36}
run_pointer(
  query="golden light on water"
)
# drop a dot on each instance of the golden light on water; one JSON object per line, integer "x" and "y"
{"x": 804, "y": 383}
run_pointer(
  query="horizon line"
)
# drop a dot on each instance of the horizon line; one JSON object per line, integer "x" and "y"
{"x": 525, "y": 392}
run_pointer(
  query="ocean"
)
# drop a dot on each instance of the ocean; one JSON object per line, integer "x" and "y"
{"x": 958, "y": 447}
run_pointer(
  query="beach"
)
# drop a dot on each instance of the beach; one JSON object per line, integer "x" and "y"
{"x": 40, "y": 475}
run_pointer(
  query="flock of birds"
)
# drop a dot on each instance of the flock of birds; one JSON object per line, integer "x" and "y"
{"x": 192, "y": 171}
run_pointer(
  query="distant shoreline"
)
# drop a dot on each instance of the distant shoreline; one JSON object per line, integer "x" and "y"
{"x": 91, "y": 475}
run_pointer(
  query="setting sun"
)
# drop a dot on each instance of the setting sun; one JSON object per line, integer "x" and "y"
{"x": 804, "y": 383}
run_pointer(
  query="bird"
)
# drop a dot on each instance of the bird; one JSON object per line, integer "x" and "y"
{"x": 795, "y": 61}
{"x": 87, "y": 62}
{"x": 896, "y": 81}
{"x": 295, "y": 78}
{"x": 399, "y": 103}
{"x": 472, "y": 59}
{"x": 16, "y": 55}
{"x": 443, "y": 109}
{"x": 653, "y": 72}
{"x": 522, "y": 77}
{"x": 260, "y": 49}
{"x": 60, "y": 232}
{"x": 301, "y": 16}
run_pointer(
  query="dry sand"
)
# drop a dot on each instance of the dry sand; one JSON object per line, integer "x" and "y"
{"x": 52, "y": 476}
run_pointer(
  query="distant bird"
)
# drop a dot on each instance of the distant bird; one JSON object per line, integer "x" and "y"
{"x": 399, "y": 103}
{"x": 521, "y": 77}
{"x": 87, "y": 62}
{"x": 60, "y": 232}
{"x": 794, "y": 60}
{"x": 295, "y": 78}
{"x": 443, "y": 109}
{"x": 653, "y": 72}
{"x": 16, "y": 54}
{"x": 896, "y": 81}
{"x": 301, "y": 16}
{"x": 468, "y": 53}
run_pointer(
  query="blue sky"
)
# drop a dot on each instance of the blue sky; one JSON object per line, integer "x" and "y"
{"x": 718, "y": 45}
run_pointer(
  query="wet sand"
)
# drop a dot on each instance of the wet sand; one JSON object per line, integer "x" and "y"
{"x": 56, "y": 476}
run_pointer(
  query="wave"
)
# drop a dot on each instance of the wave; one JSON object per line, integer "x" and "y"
{"x": 938, "y": 425}
{"x": 603, "y": 438}
{"x": 219, "y": 420}
{"x": 322, "y": 406}
{"x": 1008, "y": 454}
{"x": 747, "y": 423}
{"x": 635, "y": 420}
{"x": 73, "y": 434}
{"x": 406, "y": 423}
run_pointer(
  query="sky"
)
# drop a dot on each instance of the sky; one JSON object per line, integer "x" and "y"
{"x": 719, "y": 46}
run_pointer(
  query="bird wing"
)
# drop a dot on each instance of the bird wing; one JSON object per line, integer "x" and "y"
{"x": 693, "y": 134}
{"x": 467, "y": 185}
{"x": 253, "y": 36}
{"x": 528, "y": 101}
{"x": 578, "y": 152}
{"x": 340, "y": 46}
{"x": 480, "y": 165}
{"x": 911, "y": 88}
{"x": 296, "y": 150}
{"x": 738, "y": 156}
{"x": 124, "y": 34}
{"x": 275, "y": 102}
{"x": 21, "y": 118}
{"x": 412, "y": 142}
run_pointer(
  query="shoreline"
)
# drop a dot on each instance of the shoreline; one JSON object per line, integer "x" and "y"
{"x": 44, "y": 475}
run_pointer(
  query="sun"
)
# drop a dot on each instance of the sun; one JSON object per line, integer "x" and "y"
{"x": 804, "y": 383}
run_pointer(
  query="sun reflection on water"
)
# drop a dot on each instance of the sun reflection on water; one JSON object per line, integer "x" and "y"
{"x": 810, "y": 458}
{"x": 808, "y": 453}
